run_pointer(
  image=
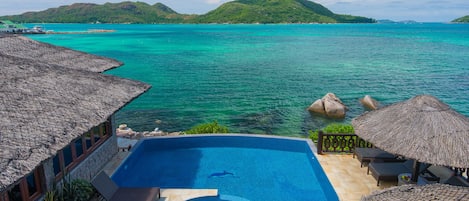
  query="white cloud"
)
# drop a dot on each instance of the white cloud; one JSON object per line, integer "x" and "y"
{"x": 419, "y": 10}
{"x": 213, "y": 1}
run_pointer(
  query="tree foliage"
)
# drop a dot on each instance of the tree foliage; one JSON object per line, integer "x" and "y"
{"x": 333, "y": 128}
{"x": 212, "y": 127}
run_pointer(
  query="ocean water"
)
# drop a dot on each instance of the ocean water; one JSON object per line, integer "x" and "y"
{"x": 261, "y": 78}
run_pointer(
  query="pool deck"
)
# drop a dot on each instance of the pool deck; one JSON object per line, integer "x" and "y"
{"x": 349, "y": 180}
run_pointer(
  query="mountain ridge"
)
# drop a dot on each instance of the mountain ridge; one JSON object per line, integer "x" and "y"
{"x": 238, "y": 11}
{"x": 464, "y": 19}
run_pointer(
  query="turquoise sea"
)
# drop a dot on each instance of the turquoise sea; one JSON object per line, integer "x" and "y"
{"x": 261, "y": 78}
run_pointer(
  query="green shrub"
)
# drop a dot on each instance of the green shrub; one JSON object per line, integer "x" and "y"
{"x": 77, "y": 190}
{"x": 332, "y": 128}
{"x": 212, "y": 127}
{"x": 51, "y": 196}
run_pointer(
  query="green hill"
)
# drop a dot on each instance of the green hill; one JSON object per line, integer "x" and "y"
{"x": 275, "y": 11}
{"x": 239, "y": 11}
{"x": 464, "y": 19}
{"x": 124, "y": 12}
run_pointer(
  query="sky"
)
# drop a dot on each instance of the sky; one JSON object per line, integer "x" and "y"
{"x": 397, "y": 10}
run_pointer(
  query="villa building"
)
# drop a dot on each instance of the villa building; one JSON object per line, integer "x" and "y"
{"x": 7, "y": 26}
{"x": 56, "y": 111}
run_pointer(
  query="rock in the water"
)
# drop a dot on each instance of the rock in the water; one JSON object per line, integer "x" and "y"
{"x": 369, "y": 102}
{"x": 330, "y": 105}
{"x": 333, "y": 97}
{"x": 334, "y": 109}
{"x": 318, "y": 107}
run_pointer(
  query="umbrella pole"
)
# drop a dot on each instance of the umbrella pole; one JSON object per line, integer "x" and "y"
{"x": 415, "y": 171}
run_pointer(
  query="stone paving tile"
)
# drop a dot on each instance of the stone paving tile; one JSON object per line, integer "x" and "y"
{"x": 349, "y": 180}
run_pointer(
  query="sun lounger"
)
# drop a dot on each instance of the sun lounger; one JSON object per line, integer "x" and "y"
{"x": 111, "y": 192}
{"x": 457, "y": 180}
{"x": 448, "y": 176}
{"x": 389, "y": 171}
{"x": 366, "y": 155}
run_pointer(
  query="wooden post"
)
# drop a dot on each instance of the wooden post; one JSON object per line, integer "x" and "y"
{"x": 415, "y": 171}
{"x": 319, "y": 145}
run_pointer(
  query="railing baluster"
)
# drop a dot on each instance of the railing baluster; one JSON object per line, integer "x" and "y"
{"x": 339, "y": 142}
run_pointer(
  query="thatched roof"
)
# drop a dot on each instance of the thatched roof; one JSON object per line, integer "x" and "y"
{"x": 421, "y": 128}
{"x": 426, "y": 192}
{"x": 20, "y": 46}
{"x": 44, "y": 106}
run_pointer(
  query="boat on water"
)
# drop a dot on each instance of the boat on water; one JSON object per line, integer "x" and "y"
{"x": 36, "y": 30}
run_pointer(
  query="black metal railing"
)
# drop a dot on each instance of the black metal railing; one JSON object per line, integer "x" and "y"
{"x": 339, "y": 143}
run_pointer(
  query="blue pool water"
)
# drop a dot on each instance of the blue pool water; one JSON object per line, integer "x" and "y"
{"x": 241, "y": 167}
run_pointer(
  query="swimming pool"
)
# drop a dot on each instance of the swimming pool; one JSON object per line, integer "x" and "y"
{"x": 241, "y": 167}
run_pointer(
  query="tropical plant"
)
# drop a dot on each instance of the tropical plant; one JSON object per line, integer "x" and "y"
{"x": 332, "y": 128}
{"x": 212, "y": 127}
{"x": 77, "y": 190}
{"x": 70, "y": 190}
{"x": 51, "y": 195}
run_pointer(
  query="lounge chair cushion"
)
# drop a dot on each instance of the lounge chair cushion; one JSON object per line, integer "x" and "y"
{"x": 442, "y": 172}
{"x": 389, "y": 171}
{"x": 366, "y": 155}
{"x": 105, "y": 186}
{"x": 457, "y": 181}
{"x": 111, "y": 192}
{"x": 136, "y": 194}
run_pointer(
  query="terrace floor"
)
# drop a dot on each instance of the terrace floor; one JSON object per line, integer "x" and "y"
{"x": 349, "y": 180}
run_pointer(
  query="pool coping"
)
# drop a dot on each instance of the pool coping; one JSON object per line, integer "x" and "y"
{"x": 307, "y": 140}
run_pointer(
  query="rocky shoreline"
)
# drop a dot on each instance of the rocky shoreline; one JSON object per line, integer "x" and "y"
{"x": 126, "y": 132}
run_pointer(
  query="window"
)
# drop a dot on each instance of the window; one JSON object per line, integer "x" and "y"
{"x": 68, "y": 158}
{"x": 15, "y": 193}
{"x": 32, "y": 185}
{"x": 28, "y": 189}
{"x": 75, "y": 152}
{"x": 56, "y": 164}
{"x": 78, "y": 147}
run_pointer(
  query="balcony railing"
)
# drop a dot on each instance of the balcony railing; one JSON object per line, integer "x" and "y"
{"x": 339, "y": 143}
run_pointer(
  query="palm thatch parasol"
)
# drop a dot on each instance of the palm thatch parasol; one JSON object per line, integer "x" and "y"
{"x": 422, "y": 128}
{"x": 426, "y": 192}
{"x": 45, "y": 106}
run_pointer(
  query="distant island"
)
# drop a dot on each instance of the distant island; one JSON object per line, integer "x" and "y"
{"x": 124, "y": 12}
{"x": 464, "y": 19}
{"x": 276, "y": 11}
{"x": 234, "y": 12}
{"x": 386, "y": 21}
